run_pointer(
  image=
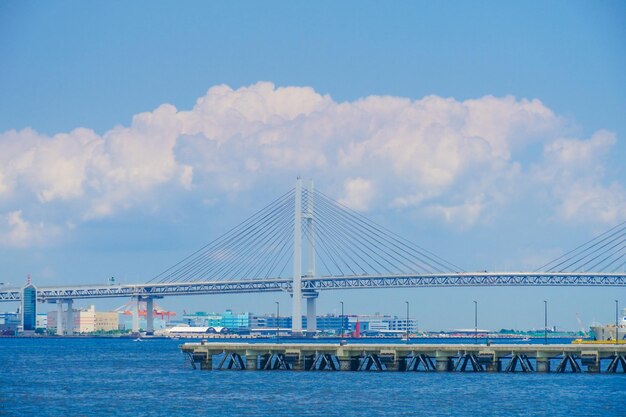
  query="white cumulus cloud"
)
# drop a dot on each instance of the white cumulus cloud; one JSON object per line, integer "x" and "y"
{"x": 462, "y": 161}
{"x": 358, "y": 193}
{"x": 15, "y": 231}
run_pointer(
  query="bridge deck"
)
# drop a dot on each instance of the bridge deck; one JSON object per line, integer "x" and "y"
{"x": 465, "y": 279}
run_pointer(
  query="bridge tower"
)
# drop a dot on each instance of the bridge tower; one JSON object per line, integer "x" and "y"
{"x": 309, "y": 243}
{"x": 296, "y": 286}
{"x": 310, "y": 295}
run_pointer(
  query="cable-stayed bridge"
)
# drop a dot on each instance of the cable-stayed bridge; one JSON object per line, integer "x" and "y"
{"x": 305, "y": 242}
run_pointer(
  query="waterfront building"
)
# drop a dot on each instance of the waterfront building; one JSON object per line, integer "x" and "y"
{"x": 332, "y": 323}
{"x": 86, "y": 320}
{"x": 226, "y": 319}
{"x": 329, "y": 323}
{"x": 9, "y": 323}
{"x": 284, "y": 322}
{"x": 258, "y": 322}
{"x": 370, "y": 323}
{"x": 235, "y": 321}
{"x": 106, "y": 321}
{"x": 400, "y": 325}
{"x": 29, "y": 307}
{"x": 202, "y": 319}
{"x": 42, "y": 320}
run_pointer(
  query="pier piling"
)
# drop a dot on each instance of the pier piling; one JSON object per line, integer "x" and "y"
{"x": 406, "y": 358}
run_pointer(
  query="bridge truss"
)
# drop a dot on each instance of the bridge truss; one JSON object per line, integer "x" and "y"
{"x": 465, "y": 279}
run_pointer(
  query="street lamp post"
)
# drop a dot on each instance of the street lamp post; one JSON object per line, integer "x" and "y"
{"x": 475, "y": 322}
{"x": 341, "y": 319}
{"x": 277, "y": 321}
{"x": 407, "y": 321}
{"x": 616, "y": 323}
{"x": 545, "y": 322}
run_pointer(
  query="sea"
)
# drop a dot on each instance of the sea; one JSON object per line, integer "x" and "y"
{"x": 122, "y": 377}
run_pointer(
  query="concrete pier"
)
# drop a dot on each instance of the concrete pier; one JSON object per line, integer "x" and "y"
{"x": 543, "y": 365}
{"x": 407, "y": 357}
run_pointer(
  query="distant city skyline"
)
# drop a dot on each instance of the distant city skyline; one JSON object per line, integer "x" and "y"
{"x": 491, "y": 134}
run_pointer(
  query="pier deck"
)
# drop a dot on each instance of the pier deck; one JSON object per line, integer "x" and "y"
{"x": 594, "y": 358}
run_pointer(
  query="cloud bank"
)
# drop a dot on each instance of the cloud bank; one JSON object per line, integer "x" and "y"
{"x": 460, "y": 162}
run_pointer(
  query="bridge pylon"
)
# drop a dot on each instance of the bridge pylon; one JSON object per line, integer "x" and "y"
{"x": 296, "y": 287}
{"x": 307, "y": 220}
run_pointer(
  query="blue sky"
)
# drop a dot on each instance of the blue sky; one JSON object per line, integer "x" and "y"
{"x": 491, "y": 133}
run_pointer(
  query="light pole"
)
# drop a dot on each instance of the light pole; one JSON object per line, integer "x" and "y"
{"x": 407, "y": 321}
{"x": 277, "y": 321}
{"x": 545, "y": 322}
{"x": 475, "y": 322}
{"x": 341, "y": 319}
{"x": 616, "y": 328}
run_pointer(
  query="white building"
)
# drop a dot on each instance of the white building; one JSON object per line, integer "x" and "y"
{"x": 399, "y": 324}
{"x": 42, "y": 321}
{"x": 86, "y": 320}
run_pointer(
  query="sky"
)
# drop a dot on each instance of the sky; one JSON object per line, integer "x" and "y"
{"x": 491, "y": 133}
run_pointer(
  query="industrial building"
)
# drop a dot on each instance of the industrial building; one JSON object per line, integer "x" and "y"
{"x": 9, "y": 323}
{"x": 261, "y": 324}
{"x": 226, "y": 319}
{"x": 86, "y": 320}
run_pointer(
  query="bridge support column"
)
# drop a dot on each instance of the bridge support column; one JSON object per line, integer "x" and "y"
{"x": 543, "y": 365}
{"x": 311, "y": 312}
{"x": 310, "y": 295}
{"x": 149, "y": 315}
{"x": 252, "y": 360}
{"x": 444, "y": 364}
{"x": 495, "y": 366}
{"x": 59, "y": 317}
{"x": 296, "y": 311}
{"x": 393, "y": 365}
{"x": 69, "y": 322}
{"x": 297, "y": 363}
{"x": 135, "y": 312}
{"x": 311, "y": 316}
{"x": 207, "y": 363}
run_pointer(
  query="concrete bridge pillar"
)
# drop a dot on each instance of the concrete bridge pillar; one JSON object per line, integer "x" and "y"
{"x": 69, "y": 322}
{"x": 311, "y": 312}
{"x": 298, "y": 363}
{"x": 150, "y": 315}
{"x": 311, "y": 316}
{"x": 252, "y": 360}
{"x": 207, "y": 363}
{"x": 348, "y": 363}
{"x": 59, "y": 317}
{"x": 495, "y": 366}
{"x": 135, "y": 312}
{"x": 444, "y": 364}
{"x": 393, "y": 365}
{"x": 543, "y": 365}
{"x": 593, "y": 368}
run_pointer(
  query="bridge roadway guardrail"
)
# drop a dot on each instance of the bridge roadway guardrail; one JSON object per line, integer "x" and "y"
{"x": 464, "y": 279}
{"x": 609, "y": 358}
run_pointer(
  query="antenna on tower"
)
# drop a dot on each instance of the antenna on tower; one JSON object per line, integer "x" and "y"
{"x": 28, "y": 280}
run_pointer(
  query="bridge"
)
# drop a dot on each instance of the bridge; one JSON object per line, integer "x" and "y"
{"x": 341, "y": 249}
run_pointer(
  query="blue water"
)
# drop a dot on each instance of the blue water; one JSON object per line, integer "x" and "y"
{"x": 101, "y": 377}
